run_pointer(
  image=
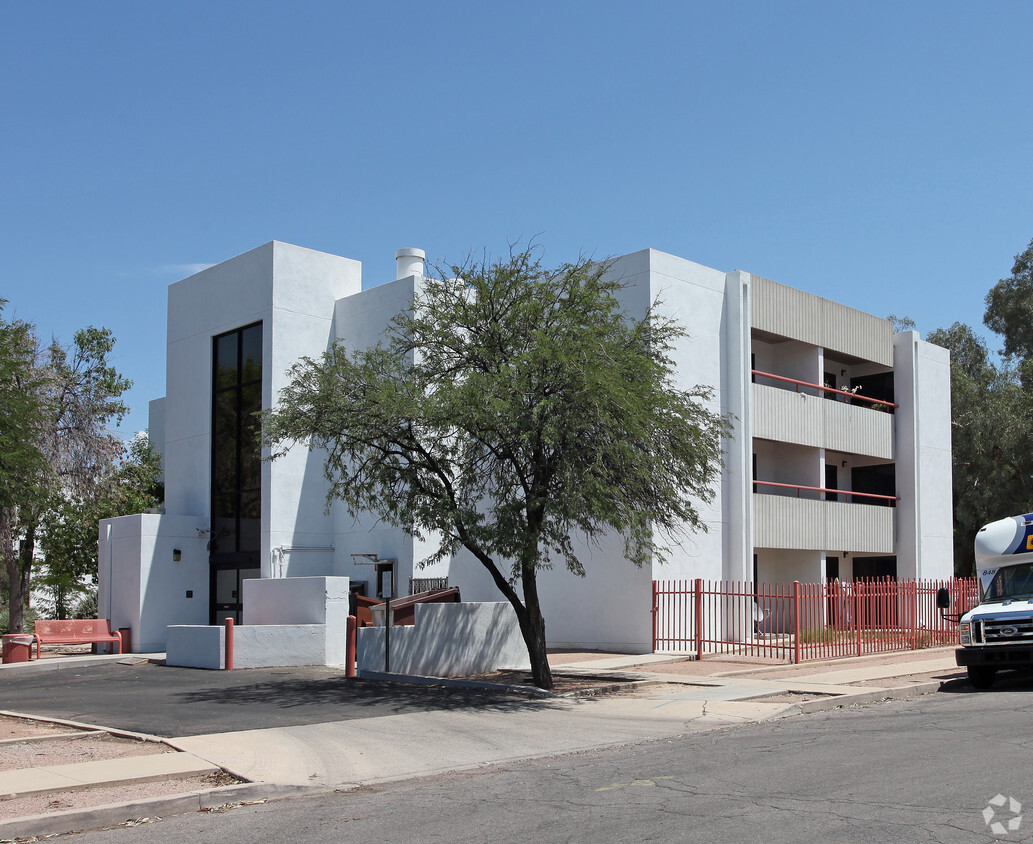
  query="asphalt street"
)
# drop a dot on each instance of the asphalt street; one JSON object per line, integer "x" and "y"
{"x": 925, "y": 769}
{"x": 166, "y": 701}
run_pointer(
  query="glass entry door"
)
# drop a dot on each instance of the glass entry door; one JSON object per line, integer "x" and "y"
{"x": 228, "y": 593}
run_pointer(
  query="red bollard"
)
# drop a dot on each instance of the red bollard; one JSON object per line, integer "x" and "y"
{"x": 349, "y": 647}
{"x": 229, "y": 644}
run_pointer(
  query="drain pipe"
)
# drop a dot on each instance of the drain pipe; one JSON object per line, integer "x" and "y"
{"x": 278, "y": 563}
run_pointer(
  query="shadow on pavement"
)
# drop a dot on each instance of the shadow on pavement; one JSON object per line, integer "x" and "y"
{"x": 167, "y": 701}
{"x": 1007, "y": 681}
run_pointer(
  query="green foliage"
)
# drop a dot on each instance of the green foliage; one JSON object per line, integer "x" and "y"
{"x": 1009, "y": 308}
{"x": 68, "y": 535}
{"x": 56, "y": 403}
{"x": 901, "y": 323}
{"x": 512, "y": 409}
{"x": 992, "y": 413}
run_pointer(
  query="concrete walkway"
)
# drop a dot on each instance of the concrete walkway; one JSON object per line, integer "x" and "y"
{"x": 24, "y": 781}
{"x": 410, "y": 741}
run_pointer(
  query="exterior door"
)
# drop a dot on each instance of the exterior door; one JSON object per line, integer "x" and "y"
{"x": 228, "y": 593}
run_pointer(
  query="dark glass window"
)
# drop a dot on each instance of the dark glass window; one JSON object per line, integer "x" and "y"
{"x": 236, "y": 440}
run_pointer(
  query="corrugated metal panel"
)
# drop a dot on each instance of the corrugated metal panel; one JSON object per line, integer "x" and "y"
{"x": 787, "y": 416}
{"x": 788, "y": 312}
{"x": 790, "y": 417}
{"x": 797, "y": 523}
{"x": 857, "y": 429}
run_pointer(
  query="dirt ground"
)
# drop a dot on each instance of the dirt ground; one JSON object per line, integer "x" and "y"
{"x": 26, "y": 743}
{"x": 40, "y": 752}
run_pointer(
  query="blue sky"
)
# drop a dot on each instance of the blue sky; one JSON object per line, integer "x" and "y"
{"x": 874, "y": 153}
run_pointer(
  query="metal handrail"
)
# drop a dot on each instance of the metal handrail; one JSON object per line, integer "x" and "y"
{"x": 823, "y": 388}
{"x": 846, "y": 492}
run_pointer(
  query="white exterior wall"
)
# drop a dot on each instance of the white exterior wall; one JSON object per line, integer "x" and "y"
{"x": 140, "y": 584}
{"x": 306, "y": 285}
{"x": 291, "y": 291}
{"x": 360, "y": 321}
{"x": 156, "y": 429}
{"x": 780, "y": 566}
{"x": 695, "y": 296}
{"x": 924, "y": 513}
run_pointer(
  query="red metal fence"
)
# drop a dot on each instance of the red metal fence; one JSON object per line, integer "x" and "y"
{"x": 799, "y": 621}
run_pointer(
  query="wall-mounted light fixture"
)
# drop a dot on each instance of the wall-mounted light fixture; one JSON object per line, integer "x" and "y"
{"x": 177, "y": 555}
{"x": 844, "y": 463}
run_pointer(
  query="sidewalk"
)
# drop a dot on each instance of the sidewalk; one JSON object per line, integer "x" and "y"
{"x": 661, "y": 696}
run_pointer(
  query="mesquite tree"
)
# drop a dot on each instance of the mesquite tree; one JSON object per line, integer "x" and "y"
{"x": 511, "y": 410}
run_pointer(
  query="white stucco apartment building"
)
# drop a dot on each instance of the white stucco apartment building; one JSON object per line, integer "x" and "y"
{"x": 817, "y": 482}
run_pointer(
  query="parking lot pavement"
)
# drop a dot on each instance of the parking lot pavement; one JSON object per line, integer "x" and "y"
{"x": 166, "y": 701}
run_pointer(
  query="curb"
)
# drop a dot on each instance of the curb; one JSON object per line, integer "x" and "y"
{"x": 113, "y": 814}
{"x": 824, "y": 664}
{"x": 866, "y": 697}
{"x": 79, "y": 725}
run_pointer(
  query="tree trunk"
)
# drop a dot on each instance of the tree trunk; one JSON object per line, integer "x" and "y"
{"x": 19, "y": 573}
{"x": 532, "y": 626}
{"x": 528, "y": 612}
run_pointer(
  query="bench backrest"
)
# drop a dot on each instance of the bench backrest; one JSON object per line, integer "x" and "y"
{"x": 74, "y": 627}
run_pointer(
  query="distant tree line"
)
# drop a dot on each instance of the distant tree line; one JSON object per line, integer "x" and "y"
{"x": 992, "y": 411}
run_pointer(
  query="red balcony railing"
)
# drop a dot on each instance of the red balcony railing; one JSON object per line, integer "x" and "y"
{"x": 849, "y": 495}
{"x": 880, "y": 404}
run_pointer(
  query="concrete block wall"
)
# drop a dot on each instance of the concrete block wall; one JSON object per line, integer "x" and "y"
{"x": 448, "y": 640}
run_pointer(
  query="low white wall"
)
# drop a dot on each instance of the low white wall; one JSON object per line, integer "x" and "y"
{"x": 254, "y": 646}
{"x": 195, "y": 646}
{"x": 448, "y": 640}
{"x": 288, "y": 621}
{"x": 295, "y": 600}
{"x": 273, "y": 645}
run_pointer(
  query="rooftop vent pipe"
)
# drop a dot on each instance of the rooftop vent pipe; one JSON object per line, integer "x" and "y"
{"x": 410, "y": 261}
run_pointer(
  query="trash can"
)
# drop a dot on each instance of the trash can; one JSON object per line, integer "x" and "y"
{"x": 17, "y": 647}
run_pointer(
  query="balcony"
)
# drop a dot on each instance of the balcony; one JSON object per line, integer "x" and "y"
{"x": 800, "y": 412}
{"x": 796, "y": 518}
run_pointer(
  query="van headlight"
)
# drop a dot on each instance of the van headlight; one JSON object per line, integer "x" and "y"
{"x": 966, "y": 633}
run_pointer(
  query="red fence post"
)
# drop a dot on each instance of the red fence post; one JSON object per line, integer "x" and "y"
{"x": 654, "y": 612}
{"x": 858, "y": 587}
{"x": 699, "y": 618}
{"x": 229, "y": 644}
{"x": 796, "y": 622}
{"x": 349, "y": 647}
{"x": 914, "y": 615}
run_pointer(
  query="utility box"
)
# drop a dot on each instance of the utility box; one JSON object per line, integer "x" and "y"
{"x": 17, "y": 647}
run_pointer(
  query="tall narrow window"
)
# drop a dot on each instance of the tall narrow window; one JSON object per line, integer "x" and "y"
{"x": 236, "y": 440}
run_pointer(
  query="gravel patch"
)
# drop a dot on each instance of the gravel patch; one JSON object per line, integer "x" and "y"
{"x": 68, "y": 751}
{"x": 13, "y": 728}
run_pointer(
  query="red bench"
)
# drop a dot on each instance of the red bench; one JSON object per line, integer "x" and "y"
{"x": 76, "y": 632}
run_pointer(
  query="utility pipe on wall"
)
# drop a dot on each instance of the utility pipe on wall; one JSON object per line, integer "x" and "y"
{"x": 278, "y": 564}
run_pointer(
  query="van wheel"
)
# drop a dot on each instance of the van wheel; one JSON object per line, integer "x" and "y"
{"x": 982, "y": 676}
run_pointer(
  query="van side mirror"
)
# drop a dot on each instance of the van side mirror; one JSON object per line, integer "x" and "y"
{"x": 943, "y": 599}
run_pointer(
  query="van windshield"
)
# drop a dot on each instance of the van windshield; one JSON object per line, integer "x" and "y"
{"x": 1011, "y": 583}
